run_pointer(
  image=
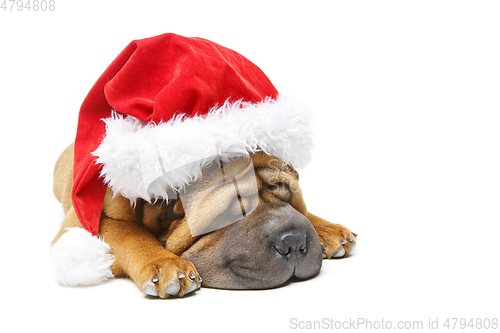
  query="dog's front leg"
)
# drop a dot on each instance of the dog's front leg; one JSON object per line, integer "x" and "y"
{"x": 139, "y": 255}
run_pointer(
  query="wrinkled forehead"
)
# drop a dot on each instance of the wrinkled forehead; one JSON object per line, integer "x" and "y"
{"x": 219, "y": 171}
{"x": 228, "y": 190}
{"x": 258, "y": 168}
{"x": 223, "y": 169}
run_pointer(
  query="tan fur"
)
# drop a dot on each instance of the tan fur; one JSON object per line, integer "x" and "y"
{"x": 330, "y": 234}
{"x": 138, "y": 253}
{"x": 148, "y": 239}
{"x": 63, "y": 178}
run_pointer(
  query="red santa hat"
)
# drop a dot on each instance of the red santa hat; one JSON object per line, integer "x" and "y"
{"x": 164, "y": 109}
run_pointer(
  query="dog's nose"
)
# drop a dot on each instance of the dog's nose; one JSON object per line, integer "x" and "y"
{"x": 290, "y": 242}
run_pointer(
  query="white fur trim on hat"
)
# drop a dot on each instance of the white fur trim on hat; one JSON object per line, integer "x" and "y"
{"x": 142, "y": 160}
{"x": 78, "y": 258}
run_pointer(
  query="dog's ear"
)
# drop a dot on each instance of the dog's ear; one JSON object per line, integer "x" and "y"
{"x": 151, "y": 217}
{"x": 279, "y": 172}
{"x": 158, "y": 216}
{"x": 179, "y": 208}
{"x": 117, "y": 207}
{"x": 296, "y": 200}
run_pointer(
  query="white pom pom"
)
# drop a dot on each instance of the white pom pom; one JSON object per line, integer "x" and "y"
{"x": 78, "y": 258}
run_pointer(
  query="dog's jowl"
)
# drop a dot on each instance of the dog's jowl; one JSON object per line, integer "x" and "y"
{"x": 184, "y": 174}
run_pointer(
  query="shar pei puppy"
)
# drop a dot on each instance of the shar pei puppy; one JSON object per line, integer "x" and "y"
{"x": 183, "y": 168}
{"x": 275, "y": 239}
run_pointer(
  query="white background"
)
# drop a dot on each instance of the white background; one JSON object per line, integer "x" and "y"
{"x": 406, "y": 98}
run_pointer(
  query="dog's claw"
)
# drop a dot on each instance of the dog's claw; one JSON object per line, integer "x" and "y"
{"x": 342, "y": 241}
{"x": 150, "y": 289}
{"x": 154, "y": 279}
{"x": 355, "y": 234}
{"x": 200, "y": 280}
{"x": 323, "y": 251}
{"x": 195, "y": 283}
{"x": 349, "y": 239}
{"x": 173, "y": 288}
{"x": 180, "y": 275}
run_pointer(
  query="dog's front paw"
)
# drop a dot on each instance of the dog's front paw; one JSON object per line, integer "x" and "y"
{"x": 168, "y": 277}
{"x": 336, "y": 240}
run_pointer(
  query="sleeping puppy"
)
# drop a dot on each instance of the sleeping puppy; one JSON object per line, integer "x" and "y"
{"x": 184, "y": 166}
{"x": 243, "y": 225}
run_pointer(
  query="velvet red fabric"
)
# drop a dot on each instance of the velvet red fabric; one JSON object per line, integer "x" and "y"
{"x": 155, "y": 79}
